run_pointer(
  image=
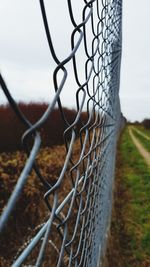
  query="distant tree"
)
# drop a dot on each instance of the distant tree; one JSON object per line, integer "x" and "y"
{"x": 146, "y": 123}
{"x": 136, "y": 122}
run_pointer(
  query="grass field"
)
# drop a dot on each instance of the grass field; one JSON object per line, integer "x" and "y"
{"x": 130, "y": 229}
{"x": 143, "y": 129}
{"x": 145, "y": 142}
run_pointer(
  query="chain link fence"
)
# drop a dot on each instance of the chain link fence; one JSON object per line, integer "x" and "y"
{"x": 78, "y": 204}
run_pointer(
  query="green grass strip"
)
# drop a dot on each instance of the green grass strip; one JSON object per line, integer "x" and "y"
{"x": 135, "y": 176}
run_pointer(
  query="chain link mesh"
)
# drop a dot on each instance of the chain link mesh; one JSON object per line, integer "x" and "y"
{"x": 75, "y": 228}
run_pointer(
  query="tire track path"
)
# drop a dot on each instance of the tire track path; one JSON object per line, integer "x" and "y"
{"x": 145, "y": 154}
{"x": 142, "y": 134}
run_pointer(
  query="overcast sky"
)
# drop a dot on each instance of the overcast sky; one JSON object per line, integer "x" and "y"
{"x": 27, "y": 66}
{"x": 135, "y": 71}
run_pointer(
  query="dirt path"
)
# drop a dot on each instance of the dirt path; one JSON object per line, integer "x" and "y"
{"x": 141, "y": 133}
{"x": 145, "y": 154}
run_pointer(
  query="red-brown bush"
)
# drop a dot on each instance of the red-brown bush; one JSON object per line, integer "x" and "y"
{"x": 12, "y": 129}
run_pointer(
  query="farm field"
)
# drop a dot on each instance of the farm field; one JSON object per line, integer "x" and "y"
{"x": 130, "y": 228}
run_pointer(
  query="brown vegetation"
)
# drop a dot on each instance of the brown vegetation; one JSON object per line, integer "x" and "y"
{"x": 12, "y": 129}
{"x": 31, "y": 209}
